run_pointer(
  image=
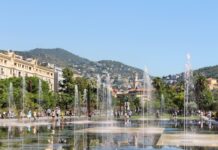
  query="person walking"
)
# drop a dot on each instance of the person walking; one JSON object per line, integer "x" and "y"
{"x": 48, "y": 112}
{"x": 58, "y": 112}
{"x": 29, "y": 115}
{"x": 34, "y": 115}
{"x": 53, "y": 115}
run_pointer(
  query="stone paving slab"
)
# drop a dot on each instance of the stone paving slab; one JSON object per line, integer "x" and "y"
{"x": 190, "y": 140}
{"x": 115, "y": 130}
{"x": 91, "y": 122}
{"x": 23, "y": 124}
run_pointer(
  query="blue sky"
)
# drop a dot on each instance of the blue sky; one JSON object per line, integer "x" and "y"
{"x": 156, "y": 34}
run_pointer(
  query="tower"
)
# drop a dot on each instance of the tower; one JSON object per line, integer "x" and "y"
{"x": 136, "y": 81}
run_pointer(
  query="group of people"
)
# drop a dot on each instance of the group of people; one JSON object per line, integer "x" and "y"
{"x": 9, "y": 114}
{"x": 30, "y": 115}
{"x": 55, "y": 113}
{"x": 118, "y": 114}
{"x": 35, "y": 114}
{"x": 49, "y": 113}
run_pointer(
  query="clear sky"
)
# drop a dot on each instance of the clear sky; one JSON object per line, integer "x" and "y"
{"x": 156, "y": 34}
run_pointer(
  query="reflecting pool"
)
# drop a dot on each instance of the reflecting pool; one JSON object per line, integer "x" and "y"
{"x": 99, "y": 135}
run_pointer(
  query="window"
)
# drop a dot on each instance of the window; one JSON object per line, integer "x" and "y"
{"x": 15, "y": 64}
{"x": 5, "y": 61}
{"x": 22, "y": 66}
{"x": 30, "y": 68}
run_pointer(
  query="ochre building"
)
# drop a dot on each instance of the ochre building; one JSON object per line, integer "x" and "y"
{"x": 12, "y": 65}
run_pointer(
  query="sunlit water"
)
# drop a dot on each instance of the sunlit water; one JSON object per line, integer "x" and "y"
{"x": 61, "y": 135}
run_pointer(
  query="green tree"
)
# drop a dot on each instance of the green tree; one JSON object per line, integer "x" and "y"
{"x": 68, "y": 83}
{"x": 31, "y": 93}
{"x": 66, "y": 95}
{"x": 159, "y": 85}
{"x": 160, "y": 90}
{"x": 3, "y": 94}
{"x": 203, "y": 95}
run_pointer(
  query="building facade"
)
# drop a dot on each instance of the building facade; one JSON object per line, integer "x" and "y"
{"x": 12, "y": 65}
{"x": 212, "y": 83}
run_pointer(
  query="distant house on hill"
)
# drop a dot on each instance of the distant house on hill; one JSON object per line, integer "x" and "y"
{"x": 212, "y": 83}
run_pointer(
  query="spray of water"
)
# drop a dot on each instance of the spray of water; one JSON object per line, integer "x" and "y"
{"x": 76, "y": 101}
{"x": 40, "y": 93}
{"x": 85, "y": 102}
{"x": 98, "y": 91}
{"x": 23, "y": 93}
{"x": 109, "y": 99}
{"x": 162, "y": 108}
{"x": 188, "y": 78}
{"x": 146, "y": 98}
{"x": 189, "y": 99}
{"x": 76, "y": 110}
{"x": 162, "y": 105}
{"x": 10, "y": 98}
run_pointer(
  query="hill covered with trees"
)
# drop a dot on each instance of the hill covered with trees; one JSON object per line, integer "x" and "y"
{"x": 120, "y": 73}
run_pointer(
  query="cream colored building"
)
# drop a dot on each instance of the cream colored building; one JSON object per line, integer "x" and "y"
{"x": 12, "y": 65}
{"x": 212, "y": 83}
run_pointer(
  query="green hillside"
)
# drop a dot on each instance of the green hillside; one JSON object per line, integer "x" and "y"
{"x": 120, "y": 73}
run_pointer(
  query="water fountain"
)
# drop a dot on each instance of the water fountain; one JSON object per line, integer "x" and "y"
{"x": 109, "y": 127}
{"x": 188, "y": 138}
{"x": 23, "y": 93}
{"x": 147, "y": 98}
{"x": 23, "y": 103}
{"x": 85, "y": 103}
{"x": 76, "y": 113}
{"x": 162, "y": 110}
{"x": 188, "y": 91}
{"x": 109, "y": 110}
{"x": 188, "y": 78}
{"x": 10, "y": 99}
{"x": 40, "y": 94}
{"x": 12, "y": 107}
{"x": 140, "y": 135}
{"x": 143, "y": 104}
{"x": 162, "y": 105}
{"x": 76, "y": 101}
{"x": 98, "y": 91}
{"x": 104, "y": 97}
{"x": 109, "y": 99}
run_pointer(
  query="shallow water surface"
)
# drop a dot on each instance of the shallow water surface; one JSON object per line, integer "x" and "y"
{"x": 60, "y": 135}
